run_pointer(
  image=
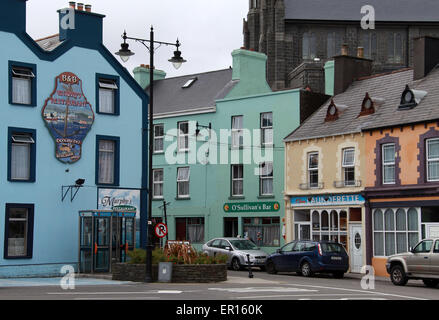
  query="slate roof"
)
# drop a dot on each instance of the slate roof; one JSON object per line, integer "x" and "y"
{"x": 388, "y": 86}
{"x": 171, "y": 98}
{"x": 350, "y": 10}
{"x": 49, "y": 43}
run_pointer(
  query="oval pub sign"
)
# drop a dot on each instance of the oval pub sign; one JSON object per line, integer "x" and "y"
{"x": 68, "y": 116}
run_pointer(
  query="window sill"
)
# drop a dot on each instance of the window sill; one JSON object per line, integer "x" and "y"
{"x": 32, "y": 105}
{"x": 108, "y": 114}
{"x": 182, "y": 198}
{"x": 22, "y": 181}
{"x": 158, "y": 199}
{"x": 266, "y": 197}
{"x": 107, "y": 184}
{"x": 158, "y": 153}
{"x": 18, "y": 258}
{"x": 236, "y": 197}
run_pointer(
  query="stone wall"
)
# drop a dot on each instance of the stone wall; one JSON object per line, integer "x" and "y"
{"x": 180, "y": 273}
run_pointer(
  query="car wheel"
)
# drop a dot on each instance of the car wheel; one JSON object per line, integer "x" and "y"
{"x": 271, "y": 269}
{"x": 306, "y": 269}
{"x": 236, "y": 266}
{"x": 338, "y": 275}
{"x": 398, "y": 276}
{"x": 431, "y": 283}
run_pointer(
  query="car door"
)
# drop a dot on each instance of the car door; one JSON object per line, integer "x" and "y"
{"x": 224, "y": 248}
{"x": 419, "y": 260}
{"x": 299, "y": 251}
{"x": 281, "y": 259}
{"x": 434, "y": 261}
{"x": 213, "y": 248}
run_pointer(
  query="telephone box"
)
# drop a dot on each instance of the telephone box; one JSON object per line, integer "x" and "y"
{"x": 105, "y": 237}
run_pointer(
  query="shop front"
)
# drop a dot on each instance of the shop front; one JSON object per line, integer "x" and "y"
{"x": 337, "y": 218}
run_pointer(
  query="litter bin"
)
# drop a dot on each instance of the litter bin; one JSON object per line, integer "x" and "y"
{"x": 165, "y": 272}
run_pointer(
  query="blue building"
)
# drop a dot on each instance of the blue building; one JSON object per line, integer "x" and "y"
{"x": 69, "y": 111}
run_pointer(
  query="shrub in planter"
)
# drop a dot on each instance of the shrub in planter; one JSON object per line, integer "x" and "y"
{"x": 138, "y": 256}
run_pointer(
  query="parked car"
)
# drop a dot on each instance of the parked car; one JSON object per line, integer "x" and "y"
{"x": 236, "y": 249}
{"x": 422, "y": 263}
{"x": 309, "y": 257}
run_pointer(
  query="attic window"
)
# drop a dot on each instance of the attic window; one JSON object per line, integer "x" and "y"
{"x": 411, "y": 98}
{"x": 368, "y": 106}
{"x": 189, "y": 82}
{"x": 332, "y": 113}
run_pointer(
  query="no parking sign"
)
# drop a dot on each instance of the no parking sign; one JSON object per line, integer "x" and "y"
{"x": 161, "y": 230}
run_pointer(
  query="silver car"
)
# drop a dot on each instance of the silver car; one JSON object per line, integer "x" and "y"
{"x": 422, "y": 263}
{"x": 237, "y": 250}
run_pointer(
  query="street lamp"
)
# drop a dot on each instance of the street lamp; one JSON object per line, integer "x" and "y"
{"x": 125, "y": 53}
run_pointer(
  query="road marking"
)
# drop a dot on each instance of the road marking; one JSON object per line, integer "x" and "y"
{"x": 308, "y": 295}
{"x": 262, "y": 289}
{"x": 118, "y": 298}
{"x": 114, "y": 292}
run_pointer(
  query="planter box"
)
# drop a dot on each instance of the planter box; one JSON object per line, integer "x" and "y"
{"x": 181, "y": 273}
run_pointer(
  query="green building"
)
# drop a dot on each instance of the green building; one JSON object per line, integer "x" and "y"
{"x": 219, "y": 157}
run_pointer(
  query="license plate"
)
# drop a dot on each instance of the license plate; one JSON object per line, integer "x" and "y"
{"x": 335, "y": 258}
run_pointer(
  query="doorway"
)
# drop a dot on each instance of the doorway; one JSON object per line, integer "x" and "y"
{"x": 230, "y": 227}
{"x": 356, "y": 247}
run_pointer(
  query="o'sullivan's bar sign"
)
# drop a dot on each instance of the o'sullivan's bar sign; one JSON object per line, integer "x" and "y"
{"x": 327, "y": 200}
{"x": 68, "y": 116}
{"x": 251, "y": 207}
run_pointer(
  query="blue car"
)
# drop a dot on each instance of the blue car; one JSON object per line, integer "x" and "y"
{"x": 309, "y": 257}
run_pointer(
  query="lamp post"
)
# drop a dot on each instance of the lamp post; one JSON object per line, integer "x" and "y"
{"x": 125, "y": 53}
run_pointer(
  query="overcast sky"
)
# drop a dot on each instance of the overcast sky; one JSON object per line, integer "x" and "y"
{"x": 209, "y": 30}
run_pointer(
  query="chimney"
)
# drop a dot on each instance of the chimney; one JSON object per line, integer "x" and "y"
{"x": 142, "y": 75}
{"x": 249, "y": 68}
{"x": 347, "y": 69}
{"x": 85, "y": 30}
{"x": 426, "y": 56}
{"x": 88, "y": 7}
{"x": 13, "y": 16}
{"x": 344, "y": 50}
{"x": 360, "y": 52}
{"x": 72, "y": 4}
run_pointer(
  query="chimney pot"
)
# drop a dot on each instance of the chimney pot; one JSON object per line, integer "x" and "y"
{"x": 360, "y": 52}
{"x": 344, "y": 50}
{"x": 80, "y": 6}
{"x": 88, "y": 7}
{"x": 72, "y": 4}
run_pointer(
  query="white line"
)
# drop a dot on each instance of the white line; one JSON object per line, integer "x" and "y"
{"x": 355, "y": 290}
{"x": 113, "y": 292}
{"x": 301, "y": 295}
{"x": 133, "y": 298}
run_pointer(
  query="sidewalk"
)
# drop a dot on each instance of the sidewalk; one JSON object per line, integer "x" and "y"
{"x": 360, "y": 276}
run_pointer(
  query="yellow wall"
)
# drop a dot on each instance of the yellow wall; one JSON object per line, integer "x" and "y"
{"x": 330, "y": 163}
{"x": 379, "y": 265}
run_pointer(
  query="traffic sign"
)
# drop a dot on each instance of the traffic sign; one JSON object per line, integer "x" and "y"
{"x": 161, "y": 230}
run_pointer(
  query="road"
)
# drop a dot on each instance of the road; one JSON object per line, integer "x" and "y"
{"x": 262, "y": 287}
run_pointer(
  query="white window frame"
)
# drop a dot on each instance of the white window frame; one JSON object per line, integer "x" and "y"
{"x": 263, "y": 177}
{"x": 237, "y": 179}
{"x": 107, "y": 85}
{"x": 26, "y": 233}
{"x": 430, "y": 160}
{"x": 159, "y": 138}
{"x": 100, "y": 178}
{"x": 385, "y": 164}
{"x": 313, "y": 169}
{"x": 182, "y": 135}
{"x": 157, "y": 182}
{"x": 21, "y": 139}
{"x": 345, "y": 165}
{"x": 180, "y": 181}
{"x": 266, "y": 128}
{"x": 238, "y": 132}
{"x": 22, "y": 74}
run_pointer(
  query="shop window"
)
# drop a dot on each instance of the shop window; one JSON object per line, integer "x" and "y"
{"x": 237, "y": 180}
{"x": 324, "y": 225}
{"x": 395, "y": 230}
{"x": 157, "y": 183}
{"x": 237, "y": 131}
{"x": 190, "y": 229}
{"x": 264, "y": 232}
{"x": 19, "y": 220}
{"x": 325, "y": 221}
{"x": 183, "y": 136}
{"x": 266, "y": 179}
{"x": 107, "y": 160}
{"x": 183, "y": 178}
{"x": 108, "y": 94}
{"x": 267, "y": 129}
{"x": 21, "y": 154}
{"x": 22, "y": 83}
{"x": 159, "y": 138}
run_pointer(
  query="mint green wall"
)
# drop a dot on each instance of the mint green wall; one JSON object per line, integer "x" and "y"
{"x": 329, "y": 77}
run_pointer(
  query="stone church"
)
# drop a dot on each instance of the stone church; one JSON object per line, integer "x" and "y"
{"x": 299, "y": 36}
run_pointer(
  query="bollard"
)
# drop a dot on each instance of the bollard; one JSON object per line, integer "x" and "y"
{"x": 250, "y": 274}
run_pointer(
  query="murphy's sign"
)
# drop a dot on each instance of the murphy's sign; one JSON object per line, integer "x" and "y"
{"x": 327, "y": 200}
{"x": 68, "y": 116}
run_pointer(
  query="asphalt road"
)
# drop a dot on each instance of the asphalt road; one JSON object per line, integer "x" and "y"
{"x": 238, "y": 287}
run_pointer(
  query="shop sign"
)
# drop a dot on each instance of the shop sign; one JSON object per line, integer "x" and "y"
{"x": 327, "y": 200}
{"x": 119, "y": 200}
{"x": 251, "y": 207}
{"x": 68, "y": 116}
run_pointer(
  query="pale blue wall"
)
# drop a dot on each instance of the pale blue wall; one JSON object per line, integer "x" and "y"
{"x": 56, "y": 223}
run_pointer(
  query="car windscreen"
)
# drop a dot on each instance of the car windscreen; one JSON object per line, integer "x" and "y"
{"x": 243, "y": 245}
{"x": 332, "y": 248}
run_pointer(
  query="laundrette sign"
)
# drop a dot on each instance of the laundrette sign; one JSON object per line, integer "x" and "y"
{"x": 327, "y": 200}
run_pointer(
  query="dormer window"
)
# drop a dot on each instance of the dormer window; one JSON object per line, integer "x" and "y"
{"x": 411, "y": 98}
{"x": 332, "y": 113}
{"x": 368, "y": 106}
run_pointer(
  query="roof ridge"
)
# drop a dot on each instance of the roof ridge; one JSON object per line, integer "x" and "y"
{"x": 48, "y": 37}
{"x": 194, "y": 74}
{"x": 383, "y": 74}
